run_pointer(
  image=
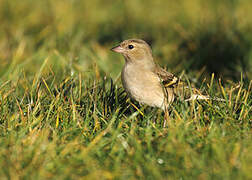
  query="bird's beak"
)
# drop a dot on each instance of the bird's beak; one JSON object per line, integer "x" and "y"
{"x": 118, "y": 49}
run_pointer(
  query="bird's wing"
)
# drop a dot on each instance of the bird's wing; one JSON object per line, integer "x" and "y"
{"x": 180, "y": 88}
{"x": 168, "y": 79}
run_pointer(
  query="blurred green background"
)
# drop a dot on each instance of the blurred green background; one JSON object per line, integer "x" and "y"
{"x": 201, "y": 37}
{"x": 60, "y": 118}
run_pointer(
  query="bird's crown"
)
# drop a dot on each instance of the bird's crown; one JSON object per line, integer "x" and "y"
{"x": 134, "y": 49}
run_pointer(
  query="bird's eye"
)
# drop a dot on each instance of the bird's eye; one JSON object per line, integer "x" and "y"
{"x": 130, "y": 46}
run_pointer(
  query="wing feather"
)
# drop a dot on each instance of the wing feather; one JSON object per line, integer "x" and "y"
{"x": 168, "y": 79}
{"x": 179, "y": 88}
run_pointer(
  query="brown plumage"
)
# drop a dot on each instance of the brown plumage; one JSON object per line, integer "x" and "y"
{"x": 148, "y": 83}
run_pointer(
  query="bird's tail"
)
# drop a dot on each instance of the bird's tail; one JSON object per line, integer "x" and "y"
{"x": 203, "y": 97}
{"x": 183, "y": 92}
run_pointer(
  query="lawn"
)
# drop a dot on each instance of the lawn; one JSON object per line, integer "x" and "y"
{"x": 64, "y": 113}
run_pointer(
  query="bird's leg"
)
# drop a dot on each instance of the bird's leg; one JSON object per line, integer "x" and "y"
{"x": 166, "y": 118}
{"x": 169, "y": 97}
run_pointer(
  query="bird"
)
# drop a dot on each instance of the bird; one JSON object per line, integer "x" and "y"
{"x": 148, "y": 83}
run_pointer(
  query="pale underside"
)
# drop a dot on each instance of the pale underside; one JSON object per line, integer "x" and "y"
{"x": 157, "y": 89}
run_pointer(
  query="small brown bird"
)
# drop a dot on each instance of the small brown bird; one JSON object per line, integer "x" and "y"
{"x": 148, "y": 83}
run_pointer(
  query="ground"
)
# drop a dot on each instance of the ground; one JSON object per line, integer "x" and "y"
{"x": 65, "y": 115}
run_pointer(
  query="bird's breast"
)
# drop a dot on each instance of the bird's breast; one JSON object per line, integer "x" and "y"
{"x": 143, "y": 85}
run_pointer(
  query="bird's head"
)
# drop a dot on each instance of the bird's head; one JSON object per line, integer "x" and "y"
{"x": 135, "y": 51}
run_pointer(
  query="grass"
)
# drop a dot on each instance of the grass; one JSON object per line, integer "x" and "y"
{"x": 65, "y": 115}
